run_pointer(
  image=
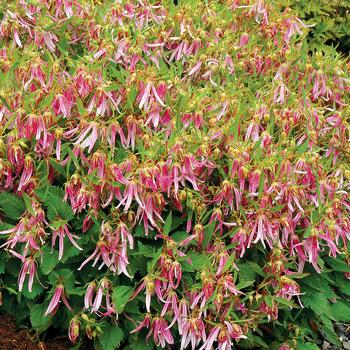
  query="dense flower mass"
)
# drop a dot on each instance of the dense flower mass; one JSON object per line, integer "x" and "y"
{"x": 179, "y": 173}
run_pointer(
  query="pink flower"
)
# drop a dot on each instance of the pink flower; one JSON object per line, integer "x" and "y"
{"x": 212, "y": 337}
{"x": 28, "y": 268}
{"x": 56, "y": 299}
{"x": 281, "y": 93}
{"x": 152, "y": 286}
{"x": 192, "y": 331}
{"x": 131, "y": 192}
{"x": 16, "y": 37}
{"x": 161, "y": 333}
{"x": 312, "y": 248}
{"x": 27, "y": 173}
{"x": 103, "y": 251}
{"x": 84, "y": 140}
{"x": 61, "y": 232}
{"x": 263, "y": 230}
{"x": 195, "y": 69}
{"x": 145, "y": 323}
{"x": 149, "y": 93}
{"x": 103, "y": 289}
{"x": 112, "y": 248}
{"x": 63, "y": 103}
{"x": 243, "y": 41}
{"x": 133, "y": 129}
{"x": 89, "y": 294}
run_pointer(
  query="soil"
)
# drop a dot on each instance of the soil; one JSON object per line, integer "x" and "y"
{"x": 12, "y": 338}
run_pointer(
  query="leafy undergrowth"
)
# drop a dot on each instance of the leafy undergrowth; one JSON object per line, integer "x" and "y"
{"x": 172, "y": 173}
{"x": 330, "y": 20}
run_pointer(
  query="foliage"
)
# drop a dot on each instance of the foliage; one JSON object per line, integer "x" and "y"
{"x": 176, "y": 174}
{"x": 331, "y": 20}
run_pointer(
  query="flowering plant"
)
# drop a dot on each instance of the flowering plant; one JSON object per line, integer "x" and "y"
{"x": 330, "y": 20}
{"x": 172, "y": 174}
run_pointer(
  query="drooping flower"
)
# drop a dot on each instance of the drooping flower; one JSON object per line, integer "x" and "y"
{"x": 161, "y": 332}
{"x": 61, "y": 232}
{"x": 57, "y": 297}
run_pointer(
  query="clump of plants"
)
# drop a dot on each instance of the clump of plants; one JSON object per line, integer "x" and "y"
{"x": 172, "y": 176}
{"x": 330, "y": 20}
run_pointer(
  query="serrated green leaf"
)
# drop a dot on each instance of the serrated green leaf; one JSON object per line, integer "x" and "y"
{"x": 52, "y": 196}
{"x": 341, "y": 311}
{"x": 342, "y": 284}
{"x": 199, "y": 261}
{"x": 179, "y": 236}
{"x": 69, "y": 252}
{"x": 327, "y": 329}
{"x": 121, "y": 295}
{"x": 6, "y": 104}
{"x": 28, "y": 204}
{"x": 36, "y": 290}
{"x": 80, "y": 106}
{"x": 337, "y": 264}
{"x": 12, "y": 206}
{"x": 317, "y": 302}
{"x": 111, "y": 337}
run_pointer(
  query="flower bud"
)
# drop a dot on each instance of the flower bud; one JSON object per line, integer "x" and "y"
{"x": 150, "y": 288}
{"x": 73, "y": 331}
{"x": 89, "y": 332}
{"x": 182, "y": 195}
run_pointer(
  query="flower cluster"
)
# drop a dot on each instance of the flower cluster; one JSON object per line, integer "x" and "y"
{"x": 171, "y": 169}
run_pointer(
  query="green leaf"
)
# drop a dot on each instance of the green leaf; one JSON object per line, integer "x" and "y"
{"x": 80, "y": 106}
{"x": 208, "y": 233}
{"x": 70, "y": 251}
{"x": 307, "y": 346}
{"x": 179, "y": 236}
{"x": 337, "y": 264}
{"x": 131, "y": 97}
{"x": 52, "y": 197}
{"x": 50, "y": 260}
{"x": 167, "y": 225}
{"x": 317, "y": 302}
{"x": 341, "y": 311}
{"x": 199, "y": 261}
{"x": 40, "y": 322}
{"x": 342, "y": 284}
{"x": 244, "y": 284}
{"x": 6, "y": 104}
{"x": 111, "y": 337}
{"x": 121, "y": 295}
{"x": 140, "y": 344}
{"x": 36, "y": 290}
{"x": 256, "y": 268}
{"x": 12, "y": 206}
{"x": 261, "y": 184}
{"x": 327, "y": 329}
{"x": 28, "y": 203}
{"x": 113, "y": 87}
{"x": 2, "y": 263}
{"x": 153, "y": 262}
